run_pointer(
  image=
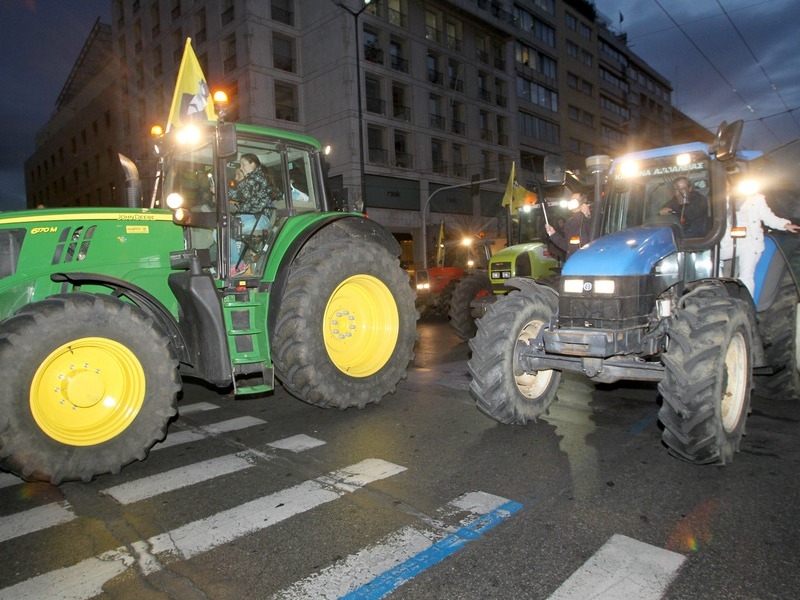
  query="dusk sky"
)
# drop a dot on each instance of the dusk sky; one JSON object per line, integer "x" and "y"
{"x": 727, "y": 60}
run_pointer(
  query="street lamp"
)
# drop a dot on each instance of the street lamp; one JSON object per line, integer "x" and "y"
{"x": 356, "y": 14}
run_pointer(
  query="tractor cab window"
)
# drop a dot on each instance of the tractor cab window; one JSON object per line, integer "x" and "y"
{"x": 658, "y": 191}
{"x": 190, "y": 175}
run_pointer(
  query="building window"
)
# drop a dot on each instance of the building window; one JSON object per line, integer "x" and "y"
{"x": 200, "y": 30}
{"x": 372, "y": 47}
{"x": 434, "y": 75}
{"x": 282, "y": 11}
{"x": 377, "y": 148}
{"x": 432, "y": 27}
{"x": 435, "y": 118}
{"x": 285, "y": 101}
{"x": 229, "y": 53}
{"x": 400, "y": 108}
{"x": 437, "y": 157}
{"x": 375, "y": 103}
{"x": 226, "y": 12}
{"x": 402, "y": 157}
{"x": 283, "y": 53}
{"x": 398, "y": 63}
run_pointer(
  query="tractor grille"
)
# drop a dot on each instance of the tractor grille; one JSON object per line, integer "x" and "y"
{"x": 631, "y": 305}
{"x": 73, "y": 244}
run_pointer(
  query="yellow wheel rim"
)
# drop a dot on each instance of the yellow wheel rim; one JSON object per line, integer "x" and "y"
{"x": 87, "y": 391}
{"x": 361, "y": 326}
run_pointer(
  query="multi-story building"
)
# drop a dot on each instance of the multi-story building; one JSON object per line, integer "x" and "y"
{"x": 414, "y": 98}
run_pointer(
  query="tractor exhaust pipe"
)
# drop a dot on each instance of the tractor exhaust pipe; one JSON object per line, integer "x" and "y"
{"x": 133, "y": 185}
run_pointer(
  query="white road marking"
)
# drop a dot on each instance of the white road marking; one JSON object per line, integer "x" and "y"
{"x": 7, "y": 480}
{"x": 199, "y": 433}
{"x": 85, "y": 579}
{"x": 232, "y": 425}
{"x": 297, "y": 443}
{"x": 622, "y": 569}
{"x": 78, "y": 582}
{"x": 196, "y": 408}
{"x": 35, "y": 519}
{"x": 175, "y": 479}
{"x": 359, "y": 569}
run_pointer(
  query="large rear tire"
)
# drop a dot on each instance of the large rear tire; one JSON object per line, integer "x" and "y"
{"x": 468, "y": 289}
{"x": 91, "y": 384}
{"x": 346, "y": 325}
{"x": 502, "y": 390}
{"x": 779, "y": 331}
{"x": 708, "y": 379}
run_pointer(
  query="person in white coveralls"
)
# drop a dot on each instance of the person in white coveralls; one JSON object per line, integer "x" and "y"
{"x": 751, "y": 212}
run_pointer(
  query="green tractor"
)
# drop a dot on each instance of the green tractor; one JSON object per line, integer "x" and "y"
{"x": 103, "y": 311}
{"x": 528, "y": 253}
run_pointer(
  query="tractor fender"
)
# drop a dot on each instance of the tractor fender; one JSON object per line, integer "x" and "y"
{"x": 336, "y": 226}
{"x": 136, "y": 295}
{"x": 521, "y": 283}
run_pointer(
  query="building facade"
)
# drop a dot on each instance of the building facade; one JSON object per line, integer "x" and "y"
{"x": 417, "y": 98}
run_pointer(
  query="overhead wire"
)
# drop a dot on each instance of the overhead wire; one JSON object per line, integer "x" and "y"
{"x": 760, "y": 66}
{"x": 722, "y": 76}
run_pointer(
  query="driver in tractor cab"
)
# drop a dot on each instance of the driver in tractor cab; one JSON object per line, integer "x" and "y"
{"x": 689, "y": 206}
{"x": 251, "y": 193}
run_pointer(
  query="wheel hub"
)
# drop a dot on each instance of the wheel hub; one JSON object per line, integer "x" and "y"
{"x": 87, "y": 391}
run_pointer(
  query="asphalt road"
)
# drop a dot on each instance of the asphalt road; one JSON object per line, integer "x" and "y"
{"x": 423, "y": 495}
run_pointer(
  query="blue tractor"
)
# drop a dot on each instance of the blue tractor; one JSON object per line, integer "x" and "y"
{"x": 654, "y": 298}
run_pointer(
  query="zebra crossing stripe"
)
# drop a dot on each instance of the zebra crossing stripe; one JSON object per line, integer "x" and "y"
{"x": 377, "y": 570}
{"x": 196, "y": 407}
{"x": 175, "y": 479}
{"x": 7, "y": 480}
{"x": 623, "y": 568}
{"x": 200, "y": 433}
{"x": 35, "y": 519}
{"x": 85, "y": 579}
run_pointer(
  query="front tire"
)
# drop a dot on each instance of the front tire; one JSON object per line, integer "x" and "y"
{"x": 708, "y": 379}
{"x": 501, "y": 389}
{"x": 91, "y": 385}
{"x": 469, "y": 288}
{"x": 346, "y": 325}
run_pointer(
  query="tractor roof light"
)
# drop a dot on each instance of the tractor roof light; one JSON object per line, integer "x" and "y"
{"x": 748, "y": 187}
{"x": 188, "y": 135}
{"x": 174, "y": 201}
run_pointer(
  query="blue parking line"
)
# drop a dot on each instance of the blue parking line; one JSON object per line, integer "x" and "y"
{"x": 397, "y": 576}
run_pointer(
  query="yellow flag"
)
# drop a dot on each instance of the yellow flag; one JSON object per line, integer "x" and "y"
{"x": 192, "y": 98}
{"x": 517, "y": 196}
{"x": 440, "y": 246}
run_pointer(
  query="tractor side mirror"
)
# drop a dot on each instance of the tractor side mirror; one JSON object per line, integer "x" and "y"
{"x": 727, "y": 143}
{"x": 226, "y": 140}
{"x": 554, "y": 170}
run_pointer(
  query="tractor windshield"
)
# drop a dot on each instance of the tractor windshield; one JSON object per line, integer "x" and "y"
{"x": 672, "y": 189}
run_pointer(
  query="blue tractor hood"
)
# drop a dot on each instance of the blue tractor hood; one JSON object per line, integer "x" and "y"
{"x": 629, "y": 252}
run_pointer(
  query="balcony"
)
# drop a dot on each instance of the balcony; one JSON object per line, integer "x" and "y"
{"x": 437, "y": 122}
{"x": 486, "y": 135}
{"x": 458, "y": 127}
{"x": 435, "y": 76}
{"x": 378, "y": 156}
{"x": 399, "y": 64}
{"x": 454, "y": 43}
{"x": 403, "y": 160}
{"x": 373, "y": 54}
{"x": 455, "y": 84}
{"x": 432, "y": 34}
{"x": 440, "y": 167}
{"x": 485, "y": 95}
{"x": 401, "y": 112}
{"x": 376, "y": 105}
